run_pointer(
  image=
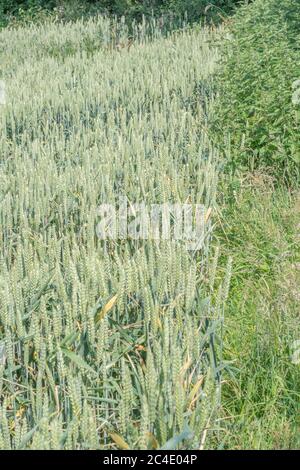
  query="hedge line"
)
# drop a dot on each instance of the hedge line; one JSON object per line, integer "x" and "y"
{"x": 257, "y": 120}
{"x": 133, "y": 9}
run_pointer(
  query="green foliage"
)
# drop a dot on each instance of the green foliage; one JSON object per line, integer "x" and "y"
{"x": 257, "y": 120}
{"x": 259, "y": 229}
{"x": 69, "y": 10}
{"x": 192, "y": 9}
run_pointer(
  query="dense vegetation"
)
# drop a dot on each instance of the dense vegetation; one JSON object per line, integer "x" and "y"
{"x": 257, "y": 120}
{"x": 122, "y": 344}
{"x": 256, "y": 126}
{"x": 192, "y": 10}
{"x": 104, "y": 343}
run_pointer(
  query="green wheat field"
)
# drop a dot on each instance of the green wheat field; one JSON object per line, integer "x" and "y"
{"x": 106, "y": 344}
{"x": 150, "y": 342}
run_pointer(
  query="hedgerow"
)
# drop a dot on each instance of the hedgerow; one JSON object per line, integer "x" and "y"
{"x": 68, "y": 10}
{"x": 256, "y": 123}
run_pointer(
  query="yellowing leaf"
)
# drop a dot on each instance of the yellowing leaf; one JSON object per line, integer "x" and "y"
{"x": 107, "y": 307}
{"x": 185, "y": 367}
{"x": 152, "y": 441}
{"x": 159, "y": 324}
{"x": 195, "y": 390}
{"x": 119, "y": 441}
{"x": 207, "y": 215}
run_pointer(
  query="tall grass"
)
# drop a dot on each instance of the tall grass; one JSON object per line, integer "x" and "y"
{"x": 260, "y": 395}
{"x": 103, "y": 344}
{"x": 255, "y": 124}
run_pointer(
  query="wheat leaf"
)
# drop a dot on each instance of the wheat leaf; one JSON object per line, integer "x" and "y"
{"x": 77, "y": 360}
{"x": 119, "y": 441}
{"x": 107, "y": 307}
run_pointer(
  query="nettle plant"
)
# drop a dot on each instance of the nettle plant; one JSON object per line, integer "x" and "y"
{"x": 254, "y": 120}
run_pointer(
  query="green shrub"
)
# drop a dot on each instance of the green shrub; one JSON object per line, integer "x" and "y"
{"x": 257, "y": 120}
{"x": 133, "y": 9}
